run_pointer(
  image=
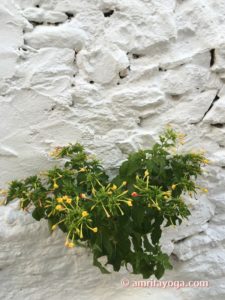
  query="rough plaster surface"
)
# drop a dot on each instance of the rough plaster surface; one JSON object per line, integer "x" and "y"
{"x": 110, "y": 74}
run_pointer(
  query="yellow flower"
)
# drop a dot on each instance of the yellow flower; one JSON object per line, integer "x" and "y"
{"x": 67, "y": 199}
{"x": 204, "y": 190}
{"x": 173, "y": 186}
{"x": 59, "y": 207}
{"x": 55, "y": 185}
{"x": 95, "y": 229}
{"x": 71, "y": 245}
{"x": 167, "y": 193}
{"x": 83, "y": 169}
{"x": 146, "y": 173}
{"x": 59, "y": 200}
{"x": 114, "y": 187}
{"x": 129, "y": 203}
{"x": 124, "y": 183}
{"x": 55, "y": 152}
{"x": 84, "y": 213}
{"x": 205, "y": 161}
{"x": 54, "y": 227}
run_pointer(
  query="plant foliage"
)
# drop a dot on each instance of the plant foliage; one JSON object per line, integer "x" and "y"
{"x": 121, "y": 219}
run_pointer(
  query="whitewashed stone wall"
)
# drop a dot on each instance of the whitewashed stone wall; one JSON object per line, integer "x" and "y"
{"x": 110, "y": 74}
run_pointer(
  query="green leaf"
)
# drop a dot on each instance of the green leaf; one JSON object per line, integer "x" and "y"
{"x": 159, "y": 271}
{"x": 156, "y": 231}
{"x": 99, "y": 265}
{"x": 38, "y": 213}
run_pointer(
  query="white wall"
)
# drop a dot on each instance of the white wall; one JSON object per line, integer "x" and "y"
{"x": 60, "y": 82}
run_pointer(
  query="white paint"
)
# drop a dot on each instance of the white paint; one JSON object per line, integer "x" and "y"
{"x": 62, "y": 36}
{"x": 40, "y": 15}
{"x": 67, "y": 74}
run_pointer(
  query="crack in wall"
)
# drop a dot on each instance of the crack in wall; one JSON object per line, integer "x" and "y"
{"x": 208, "y": 110}
{"x": 213, "y": 57}
{"x": 36, "y": 23}
{"x": 218, "y": 125}
{"x": 211, "y": 106}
